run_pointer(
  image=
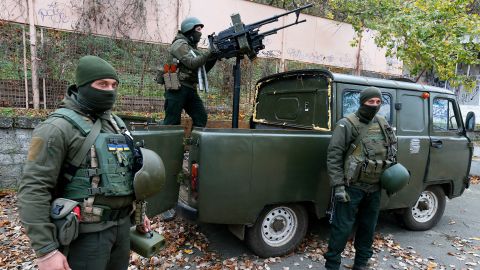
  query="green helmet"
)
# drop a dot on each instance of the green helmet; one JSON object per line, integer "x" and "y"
{"x": 394, "y": 178}
{"x": 189, "y": 24}
{"x": 150, "y": 179}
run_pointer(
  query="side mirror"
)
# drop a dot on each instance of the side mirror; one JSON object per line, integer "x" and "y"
{"x": 470, "y": 121}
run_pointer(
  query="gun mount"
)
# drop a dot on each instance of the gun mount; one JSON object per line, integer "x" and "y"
{"x": 245, "y": 40}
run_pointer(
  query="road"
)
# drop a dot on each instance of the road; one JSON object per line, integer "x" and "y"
{"x": 453, "y": 244}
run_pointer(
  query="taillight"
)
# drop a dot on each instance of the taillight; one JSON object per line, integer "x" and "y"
{"x": 194, "y": 176}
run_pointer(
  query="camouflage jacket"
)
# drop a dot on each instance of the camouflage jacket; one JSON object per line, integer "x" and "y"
{"x": 53, "y": 141}
{"x": 181, "y": 49}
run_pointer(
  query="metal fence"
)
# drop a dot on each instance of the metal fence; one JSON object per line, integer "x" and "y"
{"x": 135, "y": 61}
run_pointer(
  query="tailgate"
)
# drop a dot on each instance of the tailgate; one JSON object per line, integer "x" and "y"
{"x": 167, "y": 142}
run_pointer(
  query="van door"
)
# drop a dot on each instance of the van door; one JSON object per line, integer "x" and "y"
{"x": 413, "y": 145}
{"x": 449, "y": 148}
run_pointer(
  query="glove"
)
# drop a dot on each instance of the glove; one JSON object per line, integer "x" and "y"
{"x": 214, "y": 52}
{"x": 341, "y": 194}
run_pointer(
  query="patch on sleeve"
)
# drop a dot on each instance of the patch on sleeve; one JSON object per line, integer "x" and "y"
{"x": 35, "y": 148}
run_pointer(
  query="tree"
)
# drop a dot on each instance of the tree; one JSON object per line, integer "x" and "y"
{"x": 427, "y": 35}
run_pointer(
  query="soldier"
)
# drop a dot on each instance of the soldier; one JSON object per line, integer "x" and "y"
{"x": 76, "y": 193}
{"x": 361, "y": 148}
{"x": 191, "y": 62}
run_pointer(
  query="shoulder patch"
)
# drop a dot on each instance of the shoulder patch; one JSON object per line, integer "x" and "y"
{"x": 35, "y": 147}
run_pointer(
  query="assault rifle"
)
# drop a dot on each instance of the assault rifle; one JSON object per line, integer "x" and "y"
{"x": 244, "y": 39}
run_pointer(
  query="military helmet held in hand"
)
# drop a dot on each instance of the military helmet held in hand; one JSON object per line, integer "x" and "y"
{"x": 150, "y": 179}
{"x": 189, "y": 24}
{"x": 395, "y": 178}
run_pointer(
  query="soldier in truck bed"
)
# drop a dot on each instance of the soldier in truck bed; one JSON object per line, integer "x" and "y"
{"x": 185, "y": 54}
{"x": 361, "y": 148}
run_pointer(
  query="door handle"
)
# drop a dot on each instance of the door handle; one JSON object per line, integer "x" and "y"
{"x": 436, "y": 143}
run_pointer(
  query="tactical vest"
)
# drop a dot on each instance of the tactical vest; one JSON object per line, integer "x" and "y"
{"x": 185, "y": 75}
{"x": 114, "y": 159}
{"x": 374, "y": 153}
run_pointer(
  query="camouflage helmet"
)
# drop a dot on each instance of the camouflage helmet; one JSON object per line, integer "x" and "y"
{"x": 189, "y": 24}
{"x": 150, "y": 179}
{"x": 394, "y": 178}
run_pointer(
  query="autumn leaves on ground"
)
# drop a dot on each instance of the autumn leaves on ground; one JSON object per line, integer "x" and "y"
{"x": 188, "y": 248}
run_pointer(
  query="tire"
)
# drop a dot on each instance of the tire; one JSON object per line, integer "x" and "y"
{"x": 427, "y": 211}
{"x": 278, "y": 230}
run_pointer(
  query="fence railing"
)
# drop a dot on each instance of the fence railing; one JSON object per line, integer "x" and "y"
{"x": 135, "y": 61}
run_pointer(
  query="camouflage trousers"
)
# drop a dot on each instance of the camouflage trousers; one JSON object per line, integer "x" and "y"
{"x": 363, "y": 209}
{"x": 108, "y": 249}
{"x": 184, "y": 98}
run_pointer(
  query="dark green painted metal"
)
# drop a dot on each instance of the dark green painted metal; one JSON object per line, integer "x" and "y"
{"x": 167, "y": 142}
{"x": 241, "y": 171}
{"x": 357, "y": 80}
{"x": 292, "y": 102}
{"x": 415, "y": 108}
{"x": 453, "y": 169}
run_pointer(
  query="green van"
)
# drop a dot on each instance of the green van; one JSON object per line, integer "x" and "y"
{"x": 266, "y": 181}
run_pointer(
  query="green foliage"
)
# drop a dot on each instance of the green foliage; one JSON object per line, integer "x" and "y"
{"x": 424, "y": 34}
{"x": 8, "y": 112}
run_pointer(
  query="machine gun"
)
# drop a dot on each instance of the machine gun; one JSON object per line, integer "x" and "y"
{"x": 240, "y": 40}
{"x": 244, "y": 39}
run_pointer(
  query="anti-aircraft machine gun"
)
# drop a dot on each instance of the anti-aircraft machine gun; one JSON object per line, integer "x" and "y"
{"x": 242, "y": 40}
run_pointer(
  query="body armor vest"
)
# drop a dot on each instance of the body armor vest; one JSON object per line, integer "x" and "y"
{"x": 114, "y": 158}
{"x": 374, "y": 153}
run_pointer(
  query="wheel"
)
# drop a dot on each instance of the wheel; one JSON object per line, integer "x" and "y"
{"x": 427, "y": 211}
{"x": 278, "y": 230}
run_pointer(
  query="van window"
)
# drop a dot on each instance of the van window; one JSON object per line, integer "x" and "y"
{"x": 444, "y": 117}
{"x": 415, "y": 110}
{"x": 351, "y": 102}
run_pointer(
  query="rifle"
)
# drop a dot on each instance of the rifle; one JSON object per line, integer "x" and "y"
{"x": 244, "y": 39}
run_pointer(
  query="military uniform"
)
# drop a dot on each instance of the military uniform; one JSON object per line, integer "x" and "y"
{"x": 187, "y": 96}
{"x": 103, "y": 239}
{"x": 361, "y": 181}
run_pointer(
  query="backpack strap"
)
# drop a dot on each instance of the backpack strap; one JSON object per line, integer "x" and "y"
{"x": 119, "y": 122}
{"x": 88, "y": 130}
{"x": 353, "y": 119}
{"x": 73, "y": 118}
{"x": 391, "y": 139}
{"x": 80, "y": 154}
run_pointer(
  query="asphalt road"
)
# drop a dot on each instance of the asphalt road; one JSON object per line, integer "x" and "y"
{"x": 453, "y": 244}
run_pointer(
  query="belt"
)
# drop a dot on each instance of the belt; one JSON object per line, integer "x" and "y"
{"x": 116, "y": 214}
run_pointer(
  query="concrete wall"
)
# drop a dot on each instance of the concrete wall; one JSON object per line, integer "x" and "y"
{"x": 318, "y": 40}
{"x": 15, "y": 135}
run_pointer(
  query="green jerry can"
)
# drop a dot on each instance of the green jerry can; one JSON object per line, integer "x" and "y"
{"x": 147, "y": 244}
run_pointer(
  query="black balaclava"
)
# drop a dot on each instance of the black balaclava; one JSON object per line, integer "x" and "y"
{"x": 194, "y": 36}
{"x": 89, "y": 69}
{"x": 365, "y": 112}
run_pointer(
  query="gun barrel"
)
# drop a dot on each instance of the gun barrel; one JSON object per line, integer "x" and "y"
{"x": 275, "y": 18}
{"x": 274, "y": 31}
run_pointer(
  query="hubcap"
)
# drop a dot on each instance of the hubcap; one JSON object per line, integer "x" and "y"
{"x": 279, "y": 226}
{"x": 426, "y": 207}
